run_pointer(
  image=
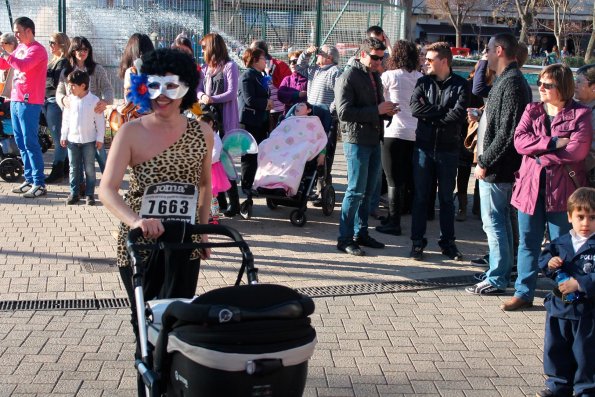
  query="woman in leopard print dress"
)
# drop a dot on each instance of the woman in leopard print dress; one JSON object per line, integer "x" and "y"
{"x": 162, "y": 149}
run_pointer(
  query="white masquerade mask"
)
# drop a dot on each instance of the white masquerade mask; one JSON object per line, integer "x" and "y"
{"x": 170, "y": 86}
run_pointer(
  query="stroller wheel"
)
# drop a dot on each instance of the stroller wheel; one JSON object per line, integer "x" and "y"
{"x": 11, "y": 169}
{"x": 297, "y": 218}
{"x": 328, "y": 200}
{"x": 271, "y": 204}
{"x": 246, "y": 209}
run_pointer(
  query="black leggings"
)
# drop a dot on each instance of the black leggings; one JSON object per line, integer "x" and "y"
{"x": 397, "y": 162}
{"x": 250, "y": 161}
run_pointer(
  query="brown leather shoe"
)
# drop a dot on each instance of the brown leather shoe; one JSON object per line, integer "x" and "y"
{"x": 515, "y": 303}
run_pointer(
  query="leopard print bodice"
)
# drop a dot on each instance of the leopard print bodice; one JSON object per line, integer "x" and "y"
{"x": 181, "y": 162}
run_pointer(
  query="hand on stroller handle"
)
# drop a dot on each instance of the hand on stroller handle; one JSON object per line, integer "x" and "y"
{"x": 133, "y": 246}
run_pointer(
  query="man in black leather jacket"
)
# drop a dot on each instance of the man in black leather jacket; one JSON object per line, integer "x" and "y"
{"x": 361, "y": 107}
{"x": 439, "y": 103}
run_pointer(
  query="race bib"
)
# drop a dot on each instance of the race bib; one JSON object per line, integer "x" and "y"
{"x": 170, "y": 201}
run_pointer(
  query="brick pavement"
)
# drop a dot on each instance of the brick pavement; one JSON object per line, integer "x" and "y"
{"x": 439, "y": 342}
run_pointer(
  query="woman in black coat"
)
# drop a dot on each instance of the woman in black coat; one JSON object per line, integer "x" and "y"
{"x": 254, "y": 106}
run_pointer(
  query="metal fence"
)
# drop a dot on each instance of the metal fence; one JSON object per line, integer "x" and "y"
{"x": 284, "y": 24}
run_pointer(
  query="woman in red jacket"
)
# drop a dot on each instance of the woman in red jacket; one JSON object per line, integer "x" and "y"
{"x": 554, "y": 137}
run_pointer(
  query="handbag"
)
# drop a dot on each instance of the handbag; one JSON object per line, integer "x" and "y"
{"x": 121, "y": 115}
{"x": 470, "y": 141}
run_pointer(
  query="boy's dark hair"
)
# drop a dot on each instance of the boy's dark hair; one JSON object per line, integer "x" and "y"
{"x": 583, "y": 198}
{"x": 168, "y": 60}
{"x": 26, "y": 23}
{"x": 79, "y": 77}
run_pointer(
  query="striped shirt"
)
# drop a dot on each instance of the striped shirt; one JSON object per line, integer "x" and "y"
{"x": 321, "y": 81}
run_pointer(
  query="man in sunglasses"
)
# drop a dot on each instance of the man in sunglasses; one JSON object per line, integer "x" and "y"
{"x": 29, "y": 61}
{"x": 361, "y": 109}
{"x": 439, "y": 103}
{"x": 497, "y": 161}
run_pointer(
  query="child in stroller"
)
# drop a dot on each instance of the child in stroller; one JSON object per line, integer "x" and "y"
{"x": 289, "y": 162}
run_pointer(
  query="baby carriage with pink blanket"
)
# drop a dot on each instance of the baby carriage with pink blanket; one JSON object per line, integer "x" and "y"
{"x": 287, "y": 168}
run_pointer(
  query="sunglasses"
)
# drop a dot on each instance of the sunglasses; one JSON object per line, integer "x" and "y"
{"x": 376, "y": 57}
{"x": 83, "y": 49}
{"x": 293, "y": 61}
{"x": 52, "y": 43}
{"x": 431, "y": 60}
{"x": 547, "y": 86}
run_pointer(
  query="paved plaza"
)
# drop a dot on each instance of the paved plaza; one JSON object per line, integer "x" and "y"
{"x": 422, "y": 341}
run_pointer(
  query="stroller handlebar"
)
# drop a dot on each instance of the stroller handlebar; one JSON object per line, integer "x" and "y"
{"x": 134, "y": 235}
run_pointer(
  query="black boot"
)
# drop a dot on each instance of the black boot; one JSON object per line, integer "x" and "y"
{"x": 234, "y": 200}
{"x": 393, "y": 226}
{"x": 57, "y": 173}
{"x": 222, "y": 200}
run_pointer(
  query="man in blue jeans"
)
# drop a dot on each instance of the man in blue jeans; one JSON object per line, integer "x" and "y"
{"x": 438, "y": 102}
{"x": 29, "y": 61}
{"x": 361, "y": 108}
{"x": 497, "y": 161}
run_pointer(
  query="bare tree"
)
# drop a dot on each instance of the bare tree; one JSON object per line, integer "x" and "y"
{"x": 561, "y": 12}
{"x": 526, "y": 11}
{"x": 457, "y": 11}
{"x": 591, "y": 44}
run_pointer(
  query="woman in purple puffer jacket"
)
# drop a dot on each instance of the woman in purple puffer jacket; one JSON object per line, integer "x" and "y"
{"x": 293, "y": 88}
{"x": 554, "y": 137}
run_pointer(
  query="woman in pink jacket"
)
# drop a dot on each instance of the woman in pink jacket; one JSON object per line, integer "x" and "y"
{"x": 554, "y": 137}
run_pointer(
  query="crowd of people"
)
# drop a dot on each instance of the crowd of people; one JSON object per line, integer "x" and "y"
{"x": 401, "y": 112}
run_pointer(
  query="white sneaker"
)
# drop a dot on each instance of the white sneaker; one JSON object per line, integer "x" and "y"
{"x": 484, "y": 288}
{"x": 22, "y": 188}
{"x": 36, "y": 191}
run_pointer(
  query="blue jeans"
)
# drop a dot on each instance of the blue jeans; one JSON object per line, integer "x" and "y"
{"x": 531, "y": 229}
{"x": 53, "y": 117}
{"x": 25, "y": 124}
{"x": 495, "y": 216}
{"x": 444, "y": 164}
{"x": 82, "y": 154}
{"x": 363, "y": 166}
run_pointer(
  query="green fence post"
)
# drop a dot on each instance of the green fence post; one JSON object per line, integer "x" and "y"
{"x": 206, "y": 17}
{"x": 62, "y": 16}
{"x": 381, "y": 15}
{"x": 318, "y": 23}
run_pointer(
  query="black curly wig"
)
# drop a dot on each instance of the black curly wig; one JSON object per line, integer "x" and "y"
{"x": 168, "y": 60}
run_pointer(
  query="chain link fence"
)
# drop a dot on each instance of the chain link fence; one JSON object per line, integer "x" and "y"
{"x": 284, "y": 24}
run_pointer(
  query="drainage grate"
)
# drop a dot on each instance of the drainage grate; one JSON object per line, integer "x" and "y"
{"x": 314, "y": 292}
{"x": 387, "y": 287}
{"x": 99, "y": 265}
{"x": 65, "y": 304}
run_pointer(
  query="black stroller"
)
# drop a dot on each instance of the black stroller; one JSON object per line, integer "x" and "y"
{"x": 245, "y": 340}
{"x": 11, "y": 164}
{"x": 311, "y": 173}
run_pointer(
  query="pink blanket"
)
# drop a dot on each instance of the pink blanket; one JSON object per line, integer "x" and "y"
{"x": 283, "y": 155}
